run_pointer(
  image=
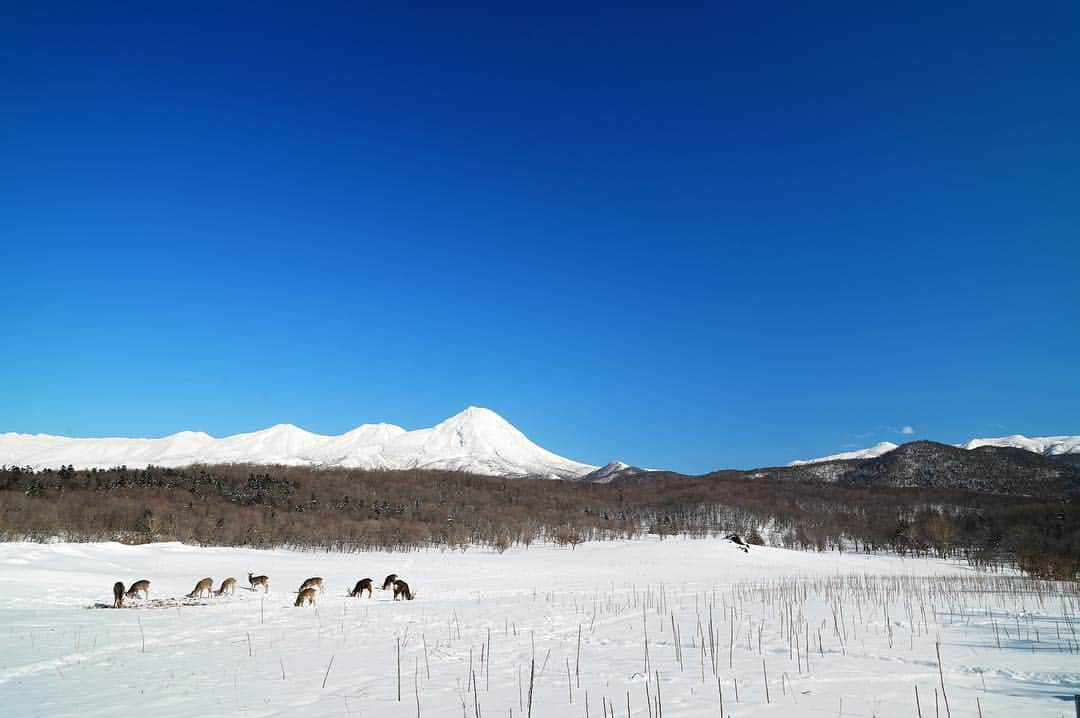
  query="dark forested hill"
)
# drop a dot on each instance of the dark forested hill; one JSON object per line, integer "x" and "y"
{"x": 927, "y": 464}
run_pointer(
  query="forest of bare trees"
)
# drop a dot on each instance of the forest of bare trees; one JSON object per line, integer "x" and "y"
{"x": 349, "y": 510}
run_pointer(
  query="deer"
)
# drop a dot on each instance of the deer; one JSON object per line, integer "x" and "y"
{"x": 263, "y": 581}
{"x": 389, "y": 582}
{"x": 227, "y": 586}
{"x": 307, "y": 595}
{"x": 312, "y": 583}
{"x": 402, "y": 589}
{"x": 206, "y": 585}
{"x": 118, "y": 595}
{"x": 138, "y": 586}
{"x": 362, "y": 585}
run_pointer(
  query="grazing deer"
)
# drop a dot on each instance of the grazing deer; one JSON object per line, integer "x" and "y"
{"x": 305, "y": 596}
{"x": 259, "y": 581}
{"x": 142, "y": 585}
{"x": 362, "y": 585}
{"x": 389, "y": 582}
{"x": 227, "y": 586}
{"x": 206, "y": 585}
{"x": 312, "y": 583}
{"x": 118, "y": 595}
{"x": 402, "y": 589}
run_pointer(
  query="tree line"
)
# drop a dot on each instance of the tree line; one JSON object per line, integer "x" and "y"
{"x": 349, "y": 510}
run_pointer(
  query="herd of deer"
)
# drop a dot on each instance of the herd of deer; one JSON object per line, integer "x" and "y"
{"x": 306, "y": 594}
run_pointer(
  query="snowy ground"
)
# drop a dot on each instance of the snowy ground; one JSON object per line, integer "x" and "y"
{"x": 837, "y": 634}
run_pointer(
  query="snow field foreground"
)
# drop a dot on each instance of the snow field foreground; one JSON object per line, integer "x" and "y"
{"x": 663, "y": 625}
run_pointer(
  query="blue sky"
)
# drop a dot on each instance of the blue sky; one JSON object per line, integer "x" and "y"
{"x": 682, "y": 237}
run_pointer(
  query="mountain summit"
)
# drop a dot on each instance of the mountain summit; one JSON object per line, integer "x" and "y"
{"x": 476, "y": 440}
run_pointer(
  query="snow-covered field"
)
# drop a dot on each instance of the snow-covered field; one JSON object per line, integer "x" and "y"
{"x": 837, "y": 634}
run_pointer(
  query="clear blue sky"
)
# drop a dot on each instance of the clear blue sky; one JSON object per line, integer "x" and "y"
{"x": 690, "y": 238}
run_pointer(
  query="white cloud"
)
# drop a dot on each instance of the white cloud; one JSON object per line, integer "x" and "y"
{"x": 907, "y": 430}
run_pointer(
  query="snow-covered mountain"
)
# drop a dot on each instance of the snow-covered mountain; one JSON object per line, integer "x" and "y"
{"x": 612, "y": 471}
{"x": 874, "y": 451}
{"x": 1045, "y": 445}
{"x": 609, "y": 470}
{"x": 476, "y": 440}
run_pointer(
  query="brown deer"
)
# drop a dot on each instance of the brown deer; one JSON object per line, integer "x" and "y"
{"x": 389, "y": 582}
{"x": 118, "y": 595}
{"x": 402, "y": 589}
{"x": 204, "y": 586}
{"x": 312, "y": 583}
{"x": 259, "y": 581}
{"x": 305, "y": 596}
{"x": 362, "y": 585}
{"x": 227, "y": 586}
{"x": 138, "y": 586}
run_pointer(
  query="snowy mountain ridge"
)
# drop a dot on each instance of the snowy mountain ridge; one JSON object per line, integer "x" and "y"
{"x": 1045, "y": 445}
{"x": 476, "y": 440}
{"x": 872, "y": 452}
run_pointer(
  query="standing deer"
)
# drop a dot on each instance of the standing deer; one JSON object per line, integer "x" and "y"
{"x": 305, "y": 596}
{"x": 138, "y": 586}
{"x": 312, "y": 583}
{"x": 259, "y": 581}
{"x": 362, "y": 585}
{"x": 402, "y": 589}
{"x": 389, "y": 582}
{"x": 227, "y": 586}
{"x": 204, "y": 586}
{"x": 118, "y": 595}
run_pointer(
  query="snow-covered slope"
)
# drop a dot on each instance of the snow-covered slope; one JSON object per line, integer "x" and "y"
{"x": 878, "y": 449}
{"x": 476, "y": 440}
{"x": 1045, "y": 445}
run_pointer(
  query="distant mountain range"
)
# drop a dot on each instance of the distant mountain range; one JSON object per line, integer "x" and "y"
{"x": 477, "y": 441}
{"x": 1045, "y": 445}
{"x": 480, "y": 441}
{"x": 927, "y": 464}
